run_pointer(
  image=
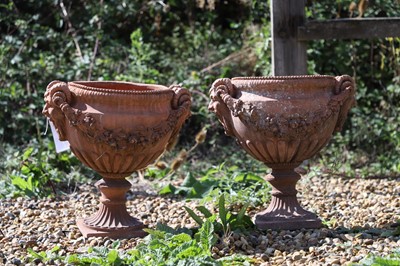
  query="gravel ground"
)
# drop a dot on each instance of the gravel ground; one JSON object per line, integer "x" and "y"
{"x": 358, "y": 213}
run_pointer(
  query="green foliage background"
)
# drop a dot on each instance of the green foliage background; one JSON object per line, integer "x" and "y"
{"x": 191, "y": 43}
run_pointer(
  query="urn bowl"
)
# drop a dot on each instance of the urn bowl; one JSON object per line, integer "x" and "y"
{"x": 282, "y": 120}
{"x": 116, "y": 128}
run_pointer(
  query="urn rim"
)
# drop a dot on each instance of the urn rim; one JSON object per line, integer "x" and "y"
{"x": 121, "y": 87}
{"x": 280, "y": 78}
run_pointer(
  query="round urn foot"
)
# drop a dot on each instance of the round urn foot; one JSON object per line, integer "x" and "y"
{"x": 112, "y": 219}
{"x": 284, "y": 211}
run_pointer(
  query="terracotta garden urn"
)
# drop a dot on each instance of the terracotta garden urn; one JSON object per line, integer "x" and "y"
{"x": 115, "y": 128}
{"x": 282, "y": 121}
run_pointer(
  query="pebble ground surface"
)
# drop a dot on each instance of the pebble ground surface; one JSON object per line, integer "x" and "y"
{"x": 358, "y": 214}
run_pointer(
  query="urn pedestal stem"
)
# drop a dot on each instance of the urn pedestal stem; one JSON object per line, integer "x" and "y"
{"x": 284, "y": 210}
{"x": 112, "y": 219}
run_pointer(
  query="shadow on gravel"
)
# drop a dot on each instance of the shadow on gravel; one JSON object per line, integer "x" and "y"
{"x": 267, "y": 244}
{"x": 390, "y": 229}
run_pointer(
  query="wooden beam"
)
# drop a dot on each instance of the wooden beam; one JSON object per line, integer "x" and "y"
{"x": 352, "y": 28}
{"x": 289, "y": 56}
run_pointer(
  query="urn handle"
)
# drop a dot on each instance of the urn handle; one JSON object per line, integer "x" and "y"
{"x": 180, "y": 104}
{"x": 344, "y": 98}
{"x": 181, "y": 99}
{"x": 57, "y": 98}
{"x": 223, "y": 102}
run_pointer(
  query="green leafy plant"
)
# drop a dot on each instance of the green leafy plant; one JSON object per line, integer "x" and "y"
{"x": 141, "y": 57}
{"x": 224, "y": 221}
{"x": 98, "y": 256}
{"x": 38, "y": 171}
{"x": 164, "y": 246}
{"x": 94, "y": 256}
{"x": 34, "y": 177}
{"x": 331, "y": 223}
{"x": 45, "y": 256}
{"x": 240, "y": 188}
{"x": 190, "y": 187}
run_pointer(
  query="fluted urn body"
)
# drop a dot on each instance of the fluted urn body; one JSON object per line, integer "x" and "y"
{"x": 115, "y": 128}
{"x": 282, "y": 121}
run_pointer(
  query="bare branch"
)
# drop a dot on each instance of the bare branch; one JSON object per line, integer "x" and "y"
{"x": 233, "y": 56}
{"x": 71, "y": 28}
{"x": 96, "y": 46}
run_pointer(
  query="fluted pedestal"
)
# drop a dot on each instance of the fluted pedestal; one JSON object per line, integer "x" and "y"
{"x": 112, "y": 219}
{"x": 284, "y": 211}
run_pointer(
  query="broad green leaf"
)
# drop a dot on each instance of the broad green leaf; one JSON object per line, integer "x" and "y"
{"x": 155, "y": 233}
{"x": 19, "y": 182}
{"x": 30, "y": 183}
{"x": 112, "y": 256}
{"x": 158, "y": 244}
{"x": 27, "y": 153}
{"x": 189, "y": 181}
{"x": 206, "y": 236}
{"x": 25, "y": 169}
{"x": 189, "y": 252}
{"x": 168, "y": 189}
{"x": 73, "y": 259}
{"x": 55, "y": 248}
{"x": 116, "y": 244}
{"x": 165, "y": 228}
{"x": 249, "y": 177}
{"x": 181, "y": 238}
{"x": 199, "y": 190}
{"x": 181, "y": 249}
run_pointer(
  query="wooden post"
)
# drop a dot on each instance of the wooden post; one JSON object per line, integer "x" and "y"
{"x": 289, "y": 55}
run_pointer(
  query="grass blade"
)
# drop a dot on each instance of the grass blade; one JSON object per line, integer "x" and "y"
{"x": 204, "y": 211}
{"x": 222, "y": 210}
{"x": 194, "y": 216}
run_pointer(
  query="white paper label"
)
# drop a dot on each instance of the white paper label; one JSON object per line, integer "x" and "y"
{"x": 60, "y": 145}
